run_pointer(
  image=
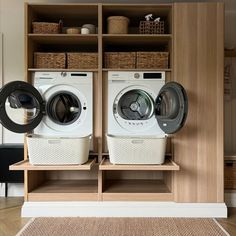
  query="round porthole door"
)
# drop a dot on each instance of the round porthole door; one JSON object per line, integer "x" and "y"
{"x": 171, "y": 107}
{"x": 136, "y": 104}
{"x": 21, "y": 107}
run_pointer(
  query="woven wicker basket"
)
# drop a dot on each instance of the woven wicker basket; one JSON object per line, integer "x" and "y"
{"x": 120, "y": 60}
{"x": 230, "y": 175}
{"x": 50, "y": 60}
{"x": 46, "y": 27}
{"x": 79, "y": 60}
{"x": 151, "y": 27}
{"x": 152, "y": 60}
{"x": 117, "y": 25}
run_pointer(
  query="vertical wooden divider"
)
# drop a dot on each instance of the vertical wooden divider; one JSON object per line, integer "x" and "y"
{"x": 99, "y": 102}
{"x": 26, "y": 78}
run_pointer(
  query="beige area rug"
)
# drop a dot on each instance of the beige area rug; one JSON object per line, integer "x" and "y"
{"x": 122, "y": 227}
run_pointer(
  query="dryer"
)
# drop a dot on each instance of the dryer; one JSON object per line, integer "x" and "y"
{"x": 142, "y": 110}
{"x": 57, "y": 104}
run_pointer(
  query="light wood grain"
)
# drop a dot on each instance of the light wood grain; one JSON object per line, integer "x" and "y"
{"x": 80, "y": 39}
{"x": 166, "y": 166}
{"x": 25, "y": 165}
{"x": 166, "y": 197}
{"x": 51, "y": 70}
{"x": 136, "y": 190}
{"x": 198, "y": 66}
{"x": 195, "y": 41}
{"x": 65, "y": 190}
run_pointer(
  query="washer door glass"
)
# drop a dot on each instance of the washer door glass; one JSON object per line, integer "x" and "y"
{"x": 64, "y": 108}
{"x": 21, "y": 107}
{"x": 135, "y": 104}
{"x": 171, "y": 107}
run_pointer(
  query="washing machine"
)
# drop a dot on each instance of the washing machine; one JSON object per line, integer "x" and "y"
{"x": 57, "y": 104}
{"x": 142, "y": 110}
{"x": 56, "y": 111}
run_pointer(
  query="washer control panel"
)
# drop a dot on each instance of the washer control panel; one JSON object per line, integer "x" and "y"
{"x": 138, "y": 75}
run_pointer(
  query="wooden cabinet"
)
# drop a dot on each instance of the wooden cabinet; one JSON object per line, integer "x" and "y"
{"x": 194, "y": 39}
{"x": 198, "y": 66}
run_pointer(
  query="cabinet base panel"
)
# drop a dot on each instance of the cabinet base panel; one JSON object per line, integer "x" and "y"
{"x": 123, "y": 209}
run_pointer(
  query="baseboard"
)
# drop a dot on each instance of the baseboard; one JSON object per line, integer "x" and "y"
{"x": 123, "y": 209}
{"x": 230, "y": 199}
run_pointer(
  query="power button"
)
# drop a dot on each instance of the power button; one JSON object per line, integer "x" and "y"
{"x": 63, "y": 74}
{"x": 136, "y": 75}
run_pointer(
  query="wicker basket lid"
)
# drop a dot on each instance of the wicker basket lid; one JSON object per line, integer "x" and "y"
{"x": 118, "y": 18}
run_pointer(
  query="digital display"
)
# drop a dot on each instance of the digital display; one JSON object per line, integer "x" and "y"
{"x": 152, "y": 75}
{"x": 78, "y": 74}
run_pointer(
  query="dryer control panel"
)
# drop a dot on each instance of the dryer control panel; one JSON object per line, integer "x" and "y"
{"x": 137, "y": 75}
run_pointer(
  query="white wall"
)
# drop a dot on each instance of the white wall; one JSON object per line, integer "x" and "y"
{"x": 12, "y": 28}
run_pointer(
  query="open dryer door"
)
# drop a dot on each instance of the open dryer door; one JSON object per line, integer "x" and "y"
{"x": 21, "y": 107}
{"x": 171, "y": 107}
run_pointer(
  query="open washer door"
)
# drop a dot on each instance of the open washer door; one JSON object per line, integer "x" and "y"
{"x": 171, "y": 107}
{"x": 21, "y": 107}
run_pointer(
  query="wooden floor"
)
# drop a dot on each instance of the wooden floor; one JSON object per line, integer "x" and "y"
{"x": 11, "y": 222}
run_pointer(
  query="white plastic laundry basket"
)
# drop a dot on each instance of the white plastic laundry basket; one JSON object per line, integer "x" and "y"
{"x": 136, "y": 150}
{"x": 44, "y": 150}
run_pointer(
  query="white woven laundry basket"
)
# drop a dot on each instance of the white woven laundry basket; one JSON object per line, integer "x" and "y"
{"x": 136, "y": 150}
{"x": 44, "y": 150}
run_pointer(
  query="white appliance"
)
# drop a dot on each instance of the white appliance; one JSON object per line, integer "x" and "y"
{"x": 57, "y": 109}
{"x": 142, "y": 110}
{"x": 68, "y": 103}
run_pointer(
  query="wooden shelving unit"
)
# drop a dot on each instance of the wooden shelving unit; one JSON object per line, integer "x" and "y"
{"x": 188, "y": 65}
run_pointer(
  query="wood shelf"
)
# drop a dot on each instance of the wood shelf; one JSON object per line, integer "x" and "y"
{"x": 105, "y": 69}
{"x": 136, "y": 189}
{"x": 25, "y": 165}
{"x": 65, "y": 190}
{"x": 230, "y": 158}
{"x": 68, "y": 70}
{"x": 169, "y": 165}
{"x": 136, "y": 39}
{"x": 83, "y": 39}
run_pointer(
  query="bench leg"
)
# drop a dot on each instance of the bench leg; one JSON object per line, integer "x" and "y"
{"x": 6, "y": 189}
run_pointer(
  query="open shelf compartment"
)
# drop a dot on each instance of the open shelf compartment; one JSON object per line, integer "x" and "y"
{"x": 136, "y": 13}
{"x": 62, "y": 185}
{"x": 72, "y": 15}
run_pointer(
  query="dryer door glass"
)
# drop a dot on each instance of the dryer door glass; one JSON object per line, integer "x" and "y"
{"x": 21, "y": 107}
{"x": 64, "y": 108}
{"x": 135, "y": 104}
{"x": 171, "y": 107}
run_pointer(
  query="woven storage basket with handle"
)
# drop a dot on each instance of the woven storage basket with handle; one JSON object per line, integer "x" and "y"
{"x": 151, "y": 27}
{"x": 117, "y": 25}
{"x": 49, "y": 60}
{"x": 80, "y": 60}
{"x": 120, "y": 60}
{"x": 152, "y": 60}
{"x": 46, "y": 27}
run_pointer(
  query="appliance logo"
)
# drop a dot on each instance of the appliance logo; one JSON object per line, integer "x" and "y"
{"x": 54, "y": 141}
{"x": 137, "y": 141}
